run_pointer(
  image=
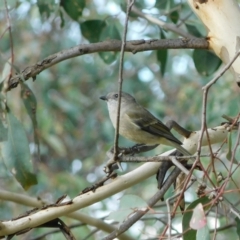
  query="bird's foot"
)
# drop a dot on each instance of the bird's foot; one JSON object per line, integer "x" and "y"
{"x": 112, "y": 164}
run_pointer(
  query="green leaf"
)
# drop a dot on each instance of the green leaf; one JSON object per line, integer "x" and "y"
{"x": 198, "y": 219}
{"x": 229, "y": 153}
{"x": 164, "y": 4}
{"x": 92, "y": 29}
{"x": 30, "y": 104}
{"x": 205, "y": 62}
{"x": 11, "y": 4}
{"x": 193, "y": 30}
{"x": 203, "y": 233}
{"x": 16, "y": 154}
{"x": 45, "y": 7}
{"x": 62, "y": 18}
{"x": 119, "y": 215}
{"x": 137, "y": 4}
{"x": 29, "y": 101}
{"x": 238, "y": 226}
{"x": 3, "y": 132}
{"x": 132, "y": 201}
{"x": 174, "y": 16}
{"x": 3, "y": 128}
{"x": 6, "y": 70}
{"x": 162, "y": 56}
{"x": 128, "y": 205}
{"x": 73, "y": 8}
{"x": 190, "y": 233}
{"x": 109, "y": 32}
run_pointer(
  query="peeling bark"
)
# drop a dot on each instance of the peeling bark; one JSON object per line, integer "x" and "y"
{"x": 222, "y": 19}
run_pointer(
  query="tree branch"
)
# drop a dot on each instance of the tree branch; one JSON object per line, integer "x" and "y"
{"x": 119, "y": 184}
{"x": 151, "y": 202}
{"x": 108, "y": 45}
{"x": 36, "y": 202}
{"x": 162, "y": 24}
{"x": 120, "y": 78}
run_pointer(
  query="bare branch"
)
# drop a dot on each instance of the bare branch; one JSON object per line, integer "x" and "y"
{"x": 109, "y": 45}
{"x": 120, "y": 78}
{"x": 162, "y": 24}
{"x": 35, "y": 202}
{"x": 214, "y": 80}
{"x": 151, "y": 202}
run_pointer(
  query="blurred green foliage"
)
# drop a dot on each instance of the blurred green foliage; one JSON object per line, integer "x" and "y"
{"x": 73, "y": 126}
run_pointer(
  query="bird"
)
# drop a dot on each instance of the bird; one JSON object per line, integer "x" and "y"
{"x": 137, "y": 124}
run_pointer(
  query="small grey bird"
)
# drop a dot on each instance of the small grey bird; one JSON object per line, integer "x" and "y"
{"x": 138, "y": 124}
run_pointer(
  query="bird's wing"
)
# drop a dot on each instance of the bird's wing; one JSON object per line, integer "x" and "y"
{"x": 147, "y": 122}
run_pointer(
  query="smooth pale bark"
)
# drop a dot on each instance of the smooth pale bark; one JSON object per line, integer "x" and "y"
{"x": 221, "y": 17}
{"x": 216, "y": 135}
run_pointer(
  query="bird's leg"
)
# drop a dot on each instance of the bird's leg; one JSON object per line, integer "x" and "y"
{"x": 182, "y": 131}
{"x": 111, "y": 163}
{"x": 138, "y": 148}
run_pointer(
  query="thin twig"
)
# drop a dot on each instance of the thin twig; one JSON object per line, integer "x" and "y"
{"x": 120, "y": 79}
{"x": 233, "y": 157}
{"x": 151, "y": 202}
{"x": 114, "y": 45}
{"x": 215, "y": 227}
{"x": 204, "y": 109}
{"x": 169, "y": 225}
{"x": 214, "y": 80}
{"x": 10, "y": 35}
{"x": 162, "y": 24}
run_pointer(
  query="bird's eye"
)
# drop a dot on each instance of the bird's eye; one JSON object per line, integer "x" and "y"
{"x": 116, "y": 95}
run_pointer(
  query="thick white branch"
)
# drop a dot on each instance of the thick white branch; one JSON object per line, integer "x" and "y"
{"x": 216, "y": 135}
{"x": 35, "y": 202}
{"x": 221, "y": 17}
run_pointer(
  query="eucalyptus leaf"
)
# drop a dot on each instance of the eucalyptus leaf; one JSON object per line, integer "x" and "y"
{"x": 6, "y": 70}
{"x": 3, "y": 132}
{"x": 193, "y": 30}
{"x": 73, "y": 8}
{"x": 16, "y": 153}
{"x": 137, "y": 4}
{"x": 45, "y": 7}
{"x": 62, "y": 18}
{"x": 128, "y": 205}
{"x": 109, "y": 32}
{"x": 238, "y": 226}
{"x": 205, "y": 62}
{"x": 188, "y": 232}
{"x": 165, "y": 4}
{"x": 92, "y": 29}
{"x": 203, "y": 233}
{"x": 132, "y": 201}
{"x": 174, "y": 16}
{"x": 30, "y": 104}
{"x": 162, "y": 55}
{"x": 229, "y": 153}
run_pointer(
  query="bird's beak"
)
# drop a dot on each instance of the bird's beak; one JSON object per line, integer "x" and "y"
{"x": 103, "y": 98}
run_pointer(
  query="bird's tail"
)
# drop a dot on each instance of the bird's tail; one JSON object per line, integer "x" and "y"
{"x": 180, "y": 149}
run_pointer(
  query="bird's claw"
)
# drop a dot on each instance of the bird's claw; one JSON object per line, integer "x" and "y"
{"x": 112, "y": 164}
